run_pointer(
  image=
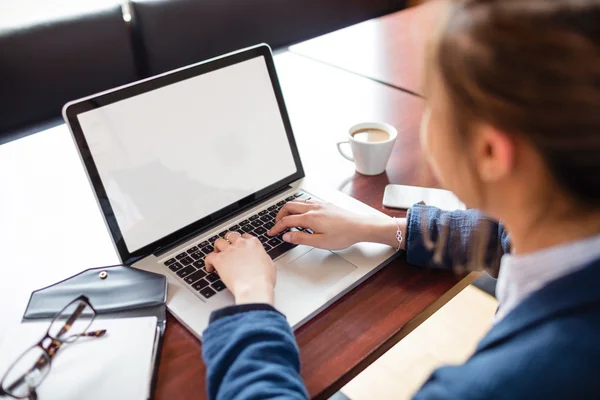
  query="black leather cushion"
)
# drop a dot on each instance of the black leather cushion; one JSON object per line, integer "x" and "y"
{"x": 49, "y": 61}
{"x": 182, "y": 32}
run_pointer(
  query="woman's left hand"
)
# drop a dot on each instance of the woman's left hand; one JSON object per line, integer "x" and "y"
{"x": 244, "y": 267}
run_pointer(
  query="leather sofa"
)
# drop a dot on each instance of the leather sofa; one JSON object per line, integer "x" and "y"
{"x": 49, "y": 58}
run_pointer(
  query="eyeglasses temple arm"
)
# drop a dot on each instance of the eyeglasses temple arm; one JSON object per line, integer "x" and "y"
{"x": 80, "y": 307}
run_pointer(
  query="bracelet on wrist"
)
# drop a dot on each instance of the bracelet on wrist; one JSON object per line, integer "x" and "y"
{"x": 399, "y": 237}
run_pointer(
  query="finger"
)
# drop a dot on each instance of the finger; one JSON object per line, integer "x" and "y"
{"x": 299, "y": 237}
{"x": 294, "y": 207}
{"x": 209, "y": 262}
{"x": 287, "y": 222}
{"x": 233, "y": 236}
{"x": 221, "y": 244}
{"x": 247, "y": 236}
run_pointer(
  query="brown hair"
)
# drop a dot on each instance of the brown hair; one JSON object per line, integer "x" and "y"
{"x": 529, "y": 68}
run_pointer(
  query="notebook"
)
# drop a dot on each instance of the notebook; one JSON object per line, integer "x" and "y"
{"x": 117, "y": 366}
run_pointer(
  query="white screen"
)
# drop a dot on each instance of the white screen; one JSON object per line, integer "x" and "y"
{"x": 174, "y": 155}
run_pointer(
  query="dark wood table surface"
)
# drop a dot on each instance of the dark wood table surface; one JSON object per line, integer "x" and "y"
{"x": 323, "y": 102}
{"x": 389, "y": 49}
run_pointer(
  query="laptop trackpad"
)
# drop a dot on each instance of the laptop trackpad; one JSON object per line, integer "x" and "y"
{"x": 307, "y": 280}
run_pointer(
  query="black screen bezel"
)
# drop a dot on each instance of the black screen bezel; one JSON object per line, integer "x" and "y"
{"x": 72, "y": 110}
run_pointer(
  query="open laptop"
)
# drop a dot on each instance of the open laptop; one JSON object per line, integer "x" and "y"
{"x": 179, "y": 159}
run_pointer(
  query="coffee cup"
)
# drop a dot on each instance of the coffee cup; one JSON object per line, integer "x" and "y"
{"x": 371, "y": 144}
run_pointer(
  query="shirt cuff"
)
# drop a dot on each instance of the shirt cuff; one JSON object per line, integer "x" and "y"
{"x": 239, "y": 309}
{"x": 416, "y": 253}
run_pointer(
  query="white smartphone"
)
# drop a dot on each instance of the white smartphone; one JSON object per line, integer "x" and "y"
{"x": 404, "y": 197}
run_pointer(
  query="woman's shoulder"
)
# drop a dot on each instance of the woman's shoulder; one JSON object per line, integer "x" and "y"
{"x": 557, "y": 358}
{"x": 547, "y": 347}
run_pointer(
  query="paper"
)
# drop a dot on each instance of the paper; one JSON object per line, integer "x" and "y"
{"x": 116, "y": 366}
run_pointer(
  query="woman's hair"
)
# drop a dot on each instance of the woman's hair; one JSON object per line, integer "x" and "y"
{"x": 530, "y": 68}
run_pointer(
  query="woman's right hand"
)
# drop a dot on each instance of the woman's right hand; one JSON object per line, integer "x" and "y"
{"x": 333, "y": 227}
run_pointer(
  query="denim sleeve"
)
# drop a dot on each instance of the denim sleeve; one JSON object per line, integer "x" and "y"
{"x": 460, "y": 240}
{"x": 250, "y": 353}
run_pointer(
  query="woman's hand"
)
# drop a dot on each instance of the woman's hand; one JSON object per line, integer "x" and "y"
{"x": 333, "y": 227}
{"x": 244, "y": 267}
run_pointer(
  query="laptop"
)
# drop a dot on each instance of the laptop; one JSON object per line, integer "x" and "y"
{"x": 177, "y": 160}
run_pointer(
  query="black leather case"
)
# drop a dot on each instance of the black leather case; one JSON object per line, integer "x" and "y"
{"x": 115, "y": 292}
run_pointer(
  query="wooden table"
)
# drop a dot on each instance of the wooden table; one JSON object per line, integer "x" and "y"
{"x": 390, "y": 49}
{"x": 51, "y": 228}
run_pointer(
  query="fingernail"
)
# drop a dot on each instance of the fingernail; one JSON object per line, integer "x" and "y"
{"x": 287, "y": 238}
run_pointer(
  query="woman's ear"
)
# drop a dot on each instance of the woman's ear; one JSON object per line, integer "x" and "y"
{"x": 494, "y": 153}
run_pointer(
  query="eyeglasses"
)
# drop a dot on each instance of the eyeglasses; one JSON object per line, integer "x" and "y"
{"x": 27, "y": 373}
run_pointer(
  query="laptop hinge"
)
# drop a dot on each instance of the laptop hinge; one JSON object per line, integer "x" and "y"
{"x": 165, "y": 249}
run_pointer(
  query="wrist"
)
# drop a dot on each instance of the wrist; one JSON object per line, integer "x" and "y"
{"x": 383, "y": 230}
{"x": 255, "y": 294}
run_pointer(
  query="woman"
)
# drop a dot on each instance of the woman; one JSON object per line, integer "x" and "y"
{"x": 514, "y": 130}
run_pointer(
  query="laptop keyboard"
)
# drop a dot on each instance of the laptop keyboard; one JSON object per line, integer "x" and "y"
{"x": 189, "y": 264}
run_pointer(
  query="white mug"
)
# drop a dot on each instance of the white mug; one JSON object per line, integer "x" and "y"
{"x": 370, "y": 158}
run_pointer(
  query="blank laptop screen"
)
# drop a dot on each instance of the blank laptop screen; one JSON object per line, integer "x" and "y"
{"x": 176, "y": 154}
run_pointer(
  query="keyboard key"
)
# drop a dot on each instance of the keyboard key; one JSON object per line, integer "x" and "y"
{"x": 218, "y": 286}
{"x": 195, "y": 276}
{"x": 279, "y": 250}
{"x": 257, "y": 223}
{"x": 244, "y": 222}
{"x": 266, "y": 246}
{"x": 212, "y": 277}
{"x": 186, "y": 271}
{"x": 266, "y": 218}
{"x": 197, "y": 255}
{"x": 207, "y": 250}
{"x": 273, "y": 215}
{"x": 299, "y": 194}
{"x": 280, "y": 204}
{"x": 253, "y": 218}
{"x": 263, "y": 239}
{"x": 175, "y": 267}
{"x": 263, "y": 212}
{"x": 272, "y": 208}
{"x": 247, "y": 228}
{"x": 213, "y": 239}
{"x": 201, "y": 284}
{"x": 268, "y": 225}
{"x": 199, "y": 264}
{"x": 260, "y": 231}
{"x": 203, "y": 244}
{"x": 186, "y": 260}
{"x": 192, "y": 250}
{"x": 234, "y": 228}
{"x": 274, "y": 242}
{"x": 170, "y": 261}
{"x": 290, "y": 198}
{"x": 222, "y": 234}
{"x": 181, "y": 255}
{"x": 207, "y": 292}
